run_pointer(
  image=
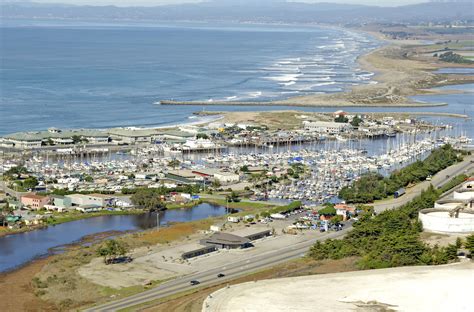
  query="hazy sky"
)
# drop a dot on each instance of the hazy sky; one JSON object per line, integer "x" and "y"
{"x": 158, "y": 2}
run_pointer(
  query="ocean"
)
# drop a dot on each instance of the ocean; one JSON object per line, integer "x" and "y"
{"x": 86, "y": 75}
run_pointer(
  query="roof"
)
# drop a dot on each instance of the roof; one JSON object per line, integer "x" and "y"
{"x": 132, "y": 132}
{"x": 176, "y": 133}
{"x": 42, "y": 135}
{"x": 226, "y": 239}
{"x": 34, "y": 196}
{"x": 327, "y": 124}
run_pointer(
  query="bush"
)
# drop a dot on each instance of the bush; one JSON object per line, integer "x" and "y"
{"x": 389, "y": 239}
{"x": 373, "y": 187}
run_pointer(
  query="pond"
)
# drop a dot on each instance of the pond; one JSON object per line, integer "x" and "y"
{"x": 18, "y": 249}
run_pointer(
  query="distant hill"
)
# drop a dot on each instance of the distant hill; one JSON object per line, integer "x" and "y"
{"x": 250, "y": 11}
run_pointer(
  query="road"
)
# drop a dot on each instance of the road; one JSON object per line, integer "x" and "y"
{"x": 255, "y": 263}
{"x": 438, "y": 180}
{"x": 231, "y": 271}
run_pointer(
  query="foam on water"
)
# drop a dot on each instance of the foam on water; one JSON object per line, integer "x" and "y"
{"x": 128, "y": 69}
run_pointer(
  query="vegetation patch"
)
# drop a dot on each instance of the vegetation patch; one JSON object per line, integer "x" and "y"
{"x": 389, "y": 239}
{"x": 372, "y": 187}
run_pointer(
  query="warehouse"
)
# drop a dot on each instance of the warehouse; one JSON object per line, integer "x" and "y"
{"x": 226, "y": 241}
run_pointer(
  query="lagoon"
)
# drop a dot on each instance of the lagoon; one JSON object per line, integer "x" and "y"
{"x": 18, "y": 249}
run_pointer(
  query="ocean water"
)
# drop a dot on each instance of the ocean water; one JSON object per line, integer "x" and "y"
{"x": 86, "y": 75}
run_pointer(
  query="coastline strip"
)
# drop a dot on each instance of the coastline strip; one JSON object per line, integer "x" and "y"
{"x": 278, "y": 103}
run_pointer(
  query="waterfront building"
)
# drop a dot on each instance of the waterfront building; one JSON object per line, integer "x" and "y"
{"x": 61, "y": 201}
{"x": 327, "y": 127}
{"x": 100, "y": 200}
{"x": 34, "y": 201}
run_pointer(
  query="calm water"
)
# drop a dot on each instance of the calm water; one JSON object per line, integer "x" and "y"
{"x": 456, "y": 70}
{"x": 97, "y": 76}
{"x": 18, "y": 249}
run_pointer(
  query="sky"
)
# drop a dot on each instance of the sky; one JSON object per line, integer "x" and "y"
{"x": 162, "y": 2}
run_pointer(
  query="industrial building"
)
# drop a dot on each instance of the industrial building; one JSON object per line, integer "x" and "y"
{"x": 327, "y": 127}
{"x": 226, "y": 241}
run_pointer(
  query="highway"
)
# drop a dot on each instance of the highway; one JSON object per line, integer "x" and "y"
{"x": 268, "y": 259}
{"x": 231, "y": 271}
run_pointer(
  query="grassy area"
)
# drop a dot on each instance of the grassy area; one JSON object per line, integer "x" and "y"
{"x": 451, "y": 45}
{"x": 247, "y": 207}
{"x": 183, "y": 205}
{"x": 453, "y": 183}
{"x": 58, "y": 218}
{"x": 60, "y": 283}
{"x": 169, "y": 234}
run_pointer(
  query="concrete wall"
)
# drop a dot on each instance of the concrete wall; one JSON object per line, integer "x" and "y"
{"x": 435, "y": 220}
{"x": 465, "y": 195}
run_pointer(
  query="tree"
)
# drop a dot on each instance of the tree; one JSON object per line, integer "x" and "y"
{"x": 29, "y": 183}
{"x": 15, "y": 172}
{"x": 469, "y": 244}
{"x": 341, "y": 119}
{"x": 202, "y": 136}
{"x": 328, "y": 211}
{"x": 244, "y": 168}
{"x": 111, "y": 250}
{"x": 76, "y": 139}
{"x": 356, "y": 121}
{"x": 233, "y": 197}
{"x": 174, "y": 163}
{"x": 149, "y": 199}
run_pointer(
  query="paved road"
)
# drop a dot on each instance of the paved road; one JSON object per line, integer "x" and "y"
{"x": 437, "y": 181}
{"x": 230, "y": 270}
{"x": 237, "y": 268}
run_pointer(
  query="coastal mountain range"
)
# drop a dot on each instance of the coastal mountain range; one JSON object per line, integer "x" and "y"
{"x": 268, "y": 11}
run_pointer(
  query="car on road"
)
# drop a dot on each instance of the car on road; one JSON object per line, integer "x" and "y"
{"x": 220, "y": 275}
{"x": 195, "y": 282}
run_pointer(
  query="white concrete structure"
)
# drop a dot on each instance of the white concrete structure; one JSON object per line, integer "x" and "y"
{"x": 418, "y": 288}
{"x": 227, "y": 177}
{"x": 465, "y": 192}
{"x": 439, "y": 221}
{"x": 91, "y": 199}
{"x": 326, "y": 127}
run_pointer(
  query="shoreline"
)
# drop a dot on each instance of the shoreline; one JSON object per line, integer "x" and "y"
{"x": 68, "y": 220}
{"x": 296, "y": 104}
{"x": 439, "y": 114}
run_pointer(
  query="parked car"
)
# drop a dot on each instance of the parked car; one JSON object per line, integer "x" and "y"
{"x": 195, "y": 282}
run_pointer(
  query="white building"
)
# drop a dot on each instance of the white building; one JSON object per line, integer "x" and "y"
{"x": 327, "y": 127}
{"x": 100, "y": 200}
{"x": 227, "y": 177}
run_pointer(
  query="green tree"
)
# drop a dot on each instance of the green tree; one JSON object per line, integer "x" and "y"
{"x": 356, "y": 121}
{"x": 174, "y": 163}
{"x": 29, "y": 183}
{"x": 327, "y": 211}
{"x": 76, "y": 139}
{"x": 149, "y": 199}
{"x": 341, "y": 119}
{"x": 469, "y": 244}
{"x": 111, "y": 250}
{"x": 202, "y": 136}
